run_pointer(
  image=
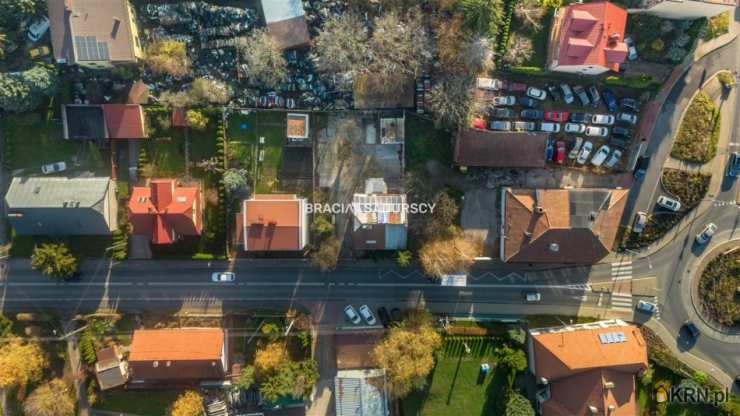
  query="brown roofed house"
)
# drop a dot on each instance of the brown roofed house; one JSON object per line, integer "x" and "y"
{"x": 484, "y": 148}
{"x": 286, "y": 22}
{"x": 94, "y": 33}
{"x": 110, "y": 369}
{"x": 177, "y": 356}
{"x": 587, "y": 369}
{"x": 559, "y": 225}
{"x": 354, "y": 348}
{"x": 274, "y": 222}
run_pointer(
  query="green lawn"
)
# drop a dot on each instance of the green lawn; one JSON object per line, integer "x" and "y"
{"x": 425, "y": 142}
{"x": 32, "y": 140}
{"x": 243, "y": 132}
{"x": 698, "y": 133}
{"x": 454, "y": 387}
{"x": 142, "y": 403}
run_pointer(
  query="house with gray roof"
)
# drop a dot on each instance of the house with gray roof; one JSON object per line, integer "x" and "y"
{"x": 62, "y": 206}
{"x": 361, "y": 393}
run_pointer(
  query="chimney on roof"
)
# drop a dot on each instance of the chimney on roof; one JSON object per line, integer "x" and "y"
{"x": 116, "y": 25}
{"x": 537, "y": 198}
{"x": 554, "y": 247}
{"x": 611, "y": 409}
{"x": 544, "y": 381}
{"x": 609, "y": 385}
{"x": 593, "y": 410}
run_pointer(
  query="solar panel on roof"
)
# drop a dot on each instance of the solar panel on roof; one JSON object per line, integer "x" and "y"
{"x": 89, "y": 49}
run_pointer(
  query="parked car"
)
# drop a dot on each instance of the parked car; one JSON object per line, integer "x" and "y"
{"x": 630, "y": 104}
{"x": 613, "y": 142}
{"x": 646, "y": 307}
{"x": 367, "y": 315}
{"x": 503, "y": 113}
{"x": 559, "y": 152}
{"x": 536, "y": 93}
{"x": 351, "y": 314}
{"x": 223, "y": 277}
{"x": 517, "y": 87}
{"x": 553, "y": 92}
{"x": 576, "y": 148}
{"x": 478, "y": 123}
{"x": 396, "y": 315}
{"x": 532, "y": 114}
{"x": 531, "y": 296}
{"x": 668, "y": 203}
{"x": 556, "y": 116}
{"x": 527, "y": 102}
{"x": 631, "y": 50}
{"x": 603, "y": 119}
{"x": 600, "y": 155}
{"x": 550, "y": 127}
{"x": 579, "y": 117}
{"x": 595, "y": 97}
{"x": 504, "y": 100}
{"x": 576, "y": 128}
{"x": 500, "y": 125}
{"x": 613, "y": 159}
{"x": 733, "y": 165}
{"x": 53, "y": 168}
{"x": 38, "y": 29}
{"x": 524, "y": 126}
{"x": 641, "y": 167}
{"x": 610, "y": 100}
{"x": 691, "y": 329}
{"x": 706, "y": 234}
{"x": 621, "y": 132}
{"x": 567, "y": 93}
{"x": 640, "y": 222}
{"x": 385, "y": 318}
{"x": 585, "y": 152}
{"x": 490, "y": 84}
{"x": 627, "y": 118}
{"x": 39, "y": 52}
{"x": 550, "y": 149}
{"x": 595, "y": 131}
{"x": 581, "y": 94}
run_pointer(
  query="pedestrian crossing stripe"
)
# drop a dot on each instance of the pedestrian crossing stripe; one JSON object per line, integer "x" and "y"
{"x": 622, "y": 270}
{"x": 622, "y": 301}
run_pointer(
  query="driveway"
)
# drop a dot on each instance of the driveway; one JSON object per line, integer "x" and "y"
{"x": 479, "y": 217}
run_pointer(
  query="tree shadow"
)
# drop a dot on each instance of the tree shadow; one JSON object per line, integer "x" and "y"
{"x": 496, "y": 392}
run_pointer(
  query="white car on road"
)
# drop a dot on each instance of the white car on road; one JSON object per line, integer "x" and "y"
{"x": 596, "y": 131}
{"x": 706, "y": 234}
{"x": 223, "y": 277}
{"x": 585, "y": 152}
{"x": 367, "y": 314}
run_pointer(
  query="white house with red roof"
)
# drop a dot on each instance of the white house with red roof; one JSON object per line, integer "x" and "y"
{"x": 588, "y": 38}
{"x": 166, "y": 211}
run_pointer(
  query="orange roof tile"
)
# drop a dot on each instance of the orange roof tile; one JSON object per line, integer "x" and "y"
{"x": 177, "y": 344}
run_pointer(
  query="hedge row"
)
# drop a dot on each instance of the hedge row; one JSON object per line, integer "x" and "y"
{"x": 502, "y": 44}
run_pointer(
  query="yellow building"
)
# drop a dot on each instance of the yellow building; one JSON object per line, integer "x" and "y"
{"x": 94, "y": 33}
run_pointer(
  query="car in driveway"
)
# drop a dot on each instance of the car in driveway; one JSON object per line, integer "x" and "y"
{"x": 585, "y": 152}
{"x": 567, "y": 93}
{"x": 621, "y": 132}
{"x": 631, "y": 50}
{"x": 630, "y": 104}
{"x": 595, "y": 97}
{"x": 367, "y": 315}
{"x": 223, "y": 276}
{"x": 613, "y": 159}
{"x": 580, "y": 92}
{"x": 503, "y": 113}
{"x": 384, "y": 317}
{"x": 553, "y": 92}
{"x": 646, "y": 307}
{"x": 38, "y": 29}
{"x": 596, "y": 131}
{"x": 524, "y": 126}
{"x": 556, "y": 116}
{"x": 600, "y": 155}
{"x": 706, "y": 234}
{"x": 668, "y": 203}
{"x": 536, "y": 93}
{"x": 602, "y": 119}
{"x": 627, "y": 118}
{"x": 579, "y": 117}
{"x": 53, "y": 168}
{"x": 527, "y": 102}
{"x": 500, "y": 125}
{"x": 610, "y": 100}
{"x": 576, "y": 128}
{"x": 576, "y": 148}
{"x": 733, "y": 165}
{"x": 532, "y": 114}
{"x": 640, "y": 222}
{"x": 351, "y": 314}
{"x": 504, "y": 100}
{"x": 559, "y": 152}
{"x": 550, "y": 127}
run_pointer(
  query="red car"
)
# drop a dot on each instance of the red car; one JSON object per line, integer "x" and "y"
{"x": 479, "y": 123}
{"x": 559, "y": 152}
{"x": 517, "y": 87}
{"x": 556, "y": 116}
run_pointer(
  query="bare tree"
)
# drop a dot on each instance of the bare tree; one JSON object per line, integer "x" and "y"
{"x": 340, "y": 45}
{"x": 460, "y": 52}
{"x": 530, "y": 13}
{"x": 520, "y": 49}
{"x": 452, "y": 100}
{"x": 400, "y": 44}
{"x": 264, "y": 58}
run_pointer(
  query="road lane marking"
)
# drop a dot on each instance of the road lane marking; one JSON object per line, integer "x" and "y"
{"x": 622, "y": 270}
{"x": 621, "y": 301}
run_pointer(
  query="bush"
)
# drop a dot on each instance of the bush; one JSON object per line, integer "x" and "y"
{"x": 529, "y": 70}
{"x": 635, "y": 81}
{"x": 657, "y": 45}
{"x": 717, "y": 288}
{"x": 725, "y": 78}
{"x": 696, "y": 140}
{"x": 689, "y": 188}
{"x": 717, "y": 26}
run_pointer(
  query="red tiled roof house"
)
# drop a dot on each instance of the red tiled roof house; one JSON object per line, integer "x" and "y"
{"x": 166, "y": 211}
{"x": 588, "y": 38}
{"x": 124, "y": 121}
{"x": 273, "y": 222}
{"x": 587, "y": 369}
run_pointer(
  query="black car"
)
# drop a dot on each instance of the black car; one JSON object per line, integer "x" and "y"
{"x": 733, "y": 165}
{"x": 532, "y": 114}
{"x": 621, "y": 131}
{"x": 554, "y": 92}
{"x": 641, "y": 167}
{"x": 527, "y": 102}
{"x": 581, "y": 94}
{"x": 396, "y": 314}
{"x": 503, "y": 113}
{"x": 385, "y": 318}
{"x": 579, "y": 117}
{"x": 622, "y": 144}
{"x": 630, "y": 104}
{"x": 691, "y": 329}
{"x": 595, "y": 97}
